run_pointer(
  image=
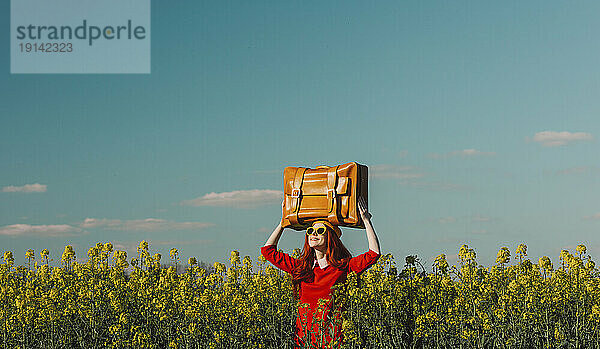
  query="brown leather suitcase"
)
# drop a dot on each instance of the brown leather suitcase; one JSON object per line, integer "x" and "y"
{"x": 329, "y": 193}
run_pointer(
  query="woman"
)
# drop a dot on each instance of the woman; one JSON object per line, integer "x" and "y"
{"x": 324, "y": 262}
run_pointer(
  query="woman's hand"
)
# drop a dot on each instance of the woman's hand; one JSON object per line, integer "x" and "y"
{"x": 362, "y": 209}
{"x": 366, "y": 217}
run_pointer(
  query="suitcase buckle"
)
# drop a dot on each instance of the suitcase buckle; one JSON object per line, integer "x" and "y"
{"x": 295, "y": 193}
{"x": 332, "y": 191}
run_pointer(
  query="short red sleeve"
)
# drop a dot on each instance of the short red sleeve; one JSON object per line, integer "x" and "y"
{"x": 361, "y": 262}
{"x": 281, "y": 260}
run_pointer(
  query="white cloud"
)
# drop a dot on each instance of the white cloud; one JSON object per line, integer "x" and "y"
{"x": 480, "y": 218}
{"x": 445, "y": 220}
{"x": 394, "y": 172}
{"x": 555, "y": 139}
{"x": 438, "y": 185}
{"x": 410, "y": 176}
{"x": 462, "y": 153}
{"x": 479, "y": 232}
{"x": 594, "y": 216}
{"x": 40, "y": 230}
{"x": 27, "y": 188}
{"x": 578, "y": 170}
{"x": 237, "y": 198}
{"x": 574, "y": 170}
{"x": 473, "y": 152}
{"x": 95, "y": 223}
{"x": 119, "y": 246}
{"x": 148, "y": 224}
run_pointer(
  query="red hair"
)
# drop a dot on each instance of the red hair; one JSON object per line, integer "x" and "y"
{"x": 337, "y": 256}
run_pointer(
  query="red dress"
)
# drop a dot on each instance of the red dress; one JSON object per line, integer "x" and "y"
{"x": 317, "y": 287}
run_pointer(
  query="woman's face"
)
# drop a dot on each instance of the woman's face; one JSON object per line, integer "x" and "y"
{"x": 316, "y": 240}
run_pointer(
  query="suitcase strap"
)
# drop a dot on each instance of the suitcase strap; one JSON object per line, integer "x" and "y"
{"x": 296, "y": 194}
{"x": 332, "y": 216}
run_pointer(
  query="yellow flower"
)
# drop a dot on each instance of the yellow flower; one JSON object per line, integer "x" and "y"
{"x": 143, "y": 246}
{"x": 441, "y": 263}
{"x": 469, "y": 304}
{"x": 590, "y": 264}
{"x": 68, "y": 254}
{"x": 296, "y": 253}
{"x": 8, "y": 258}
{"x": 466, "y": 254}
{"x": 219, "y": 267}
{"x": 44, "y": 254}
{"x": 545, "y": 263}
{"x": 148, "y": 261}
{"x": 503, "y": 256}
{"x": 521, "y": 250}
{"x": 235, "y": 257}
{"x": 173, "y": 253}
{"x": 92, "y": 252}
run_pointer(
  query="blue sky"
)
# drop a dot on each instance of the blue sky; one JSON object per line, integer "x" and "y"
{"x": 478, "y": 121}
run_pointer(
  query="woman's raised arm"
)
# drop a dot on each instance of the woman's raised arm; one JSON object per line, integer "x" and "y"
{"x": 281, "y": 260}
{"x": 366, "y": 217}
{"x": 276, "y": 234}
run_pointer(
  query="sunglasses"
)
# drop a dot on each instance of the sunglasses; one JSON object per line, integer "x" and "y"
{"x": 318, "y": 231}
